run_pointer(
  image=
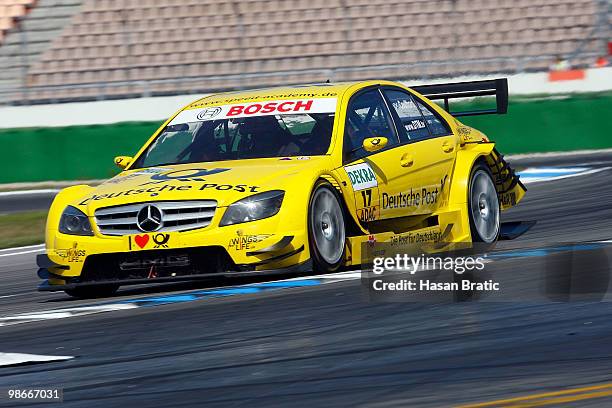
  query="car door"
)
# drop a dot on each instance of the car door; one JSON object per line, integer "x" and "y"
{"x": 376, "y": 177}
{"x": 428, "y": 149}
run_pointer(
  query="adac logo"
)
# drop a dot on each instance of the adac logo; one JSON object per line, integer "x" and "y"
{"x": 209, "y": 113}
{"x": 183, "y": 175}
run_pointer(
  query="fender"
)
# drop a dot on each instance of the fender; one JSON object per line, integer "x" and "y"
{"x": 342, "y": 183}
{"x": 466, "y": 157}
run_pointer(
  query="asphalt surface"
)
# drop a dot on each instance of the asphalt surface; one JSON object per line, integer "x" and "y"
{"x": 11, "y": 202}
{"x": 327, "y": 345}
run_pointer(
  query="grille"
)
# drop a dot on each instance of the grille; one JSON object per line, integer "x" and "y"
{"x": 176, "y": 216}
{"x": 166, "y": 263}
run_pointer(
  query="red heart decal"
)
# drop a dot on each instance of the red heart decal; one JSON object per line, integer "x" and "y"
{"x": 141, "y": 240}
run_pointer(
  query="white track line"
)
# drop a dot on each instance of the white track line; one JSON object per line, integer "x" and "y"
{"x": 15, "y": 295}
{"x": 23, "y": 252}
{"x": 23, "y": 248}
{"x": 63, "y": 313}
{"x": 567, "y": 170}
{"x": 7, "y": 359}
{"x": 527, "y": 179}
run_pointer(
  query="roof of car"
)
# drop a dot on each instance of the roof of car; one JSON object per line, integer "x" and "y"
{"x": 324, "y": 90}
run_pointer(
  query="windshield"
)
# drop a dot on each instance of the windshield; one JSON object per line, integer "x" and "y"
{"x": 245, "y": 137}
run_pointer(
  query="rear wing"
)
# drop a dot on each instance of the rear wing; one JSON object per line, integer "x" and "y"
{"x": 454, "y": 90}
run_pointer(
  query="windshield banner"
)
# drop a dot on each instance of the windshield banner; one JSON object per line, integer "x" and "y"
{"x": 281, "y": 107}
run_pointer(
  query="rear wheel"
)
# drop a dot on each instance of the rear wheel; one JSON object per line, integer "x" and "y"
{"x": 483, "y": 206}
{"x": 89, "y": 292}
{"x": 326, "y": 228}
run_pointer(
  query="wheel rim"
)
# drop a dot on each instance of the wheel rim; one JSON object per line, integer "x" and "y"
{"x": 484, "y": 206}
{"x": 327, "y": 223}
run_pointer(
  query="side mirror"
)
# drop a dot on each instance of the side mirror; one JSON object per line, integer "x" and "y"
{"x": 372, "y": 144}
{"x": 123, "y": 161}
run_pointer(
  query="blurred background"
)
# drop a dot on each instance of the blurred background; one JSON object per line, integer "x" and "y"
{"x": 82, "y": 81}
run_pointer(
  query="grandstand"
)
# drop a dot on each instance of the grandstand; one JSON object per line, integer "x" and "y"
{"x": 61, "y": 50}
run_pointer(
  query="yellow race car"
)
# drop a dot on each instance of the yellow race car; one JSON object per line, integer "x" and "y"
{"x": 284, "y": 179}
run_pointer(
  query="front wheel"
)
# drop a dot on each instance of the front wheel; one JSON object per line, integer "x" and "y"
{"x": 326, "y": 229}
{"x": 483, "y": 206}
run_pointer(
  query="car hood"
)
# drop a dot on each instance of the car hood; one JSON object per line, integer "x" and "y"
{"x": 225, "y": 182}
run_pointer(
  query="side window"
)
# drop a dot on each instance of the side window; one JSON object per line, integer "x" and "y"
{"x": 413, "y": 126}
{"x": 367, "y": 116}
{"x": 436, "y": 126}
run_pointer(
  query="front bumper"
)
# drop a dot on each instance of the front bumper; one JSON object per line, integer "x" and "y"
{"x": 251, "y": 247}
{"x": 161, "y": 266}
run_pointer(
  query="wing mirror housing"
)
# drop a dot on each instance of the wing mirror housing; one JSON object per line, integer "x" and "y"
{"x": 372, "y": 144}
{"x": 123, "y": 161}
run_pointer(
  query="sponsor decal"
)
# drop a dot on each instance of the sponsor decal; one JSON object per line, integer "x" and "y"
{"x": 371, "y": 240}
{"x": 412, "y": 198}
{"x": 362, "y": 176}
{"x": 252, "y": 109}
{"x": 415, "y": 124}
{"x": 443, "y": 182}
{"x": 415, "y": 238}
{"x": 186, "y": 175}
{"x": 73, "y": 254}
{"x": 464, "y": 131}
{"x": 154, "y": 191}
{"x": 368, "y": 214}
{"x": 252, "y": 98}
{"x": 141, "y": 241}
{"x": 508, "y": 199}
{"x": 246, "y": 242}
{"x": 241, "y": 188}
{"x": 121, "y": 177}
{"x": 161, "y": 240}
{"x": 161, "y": 182}
{"x": 209, "y": 113}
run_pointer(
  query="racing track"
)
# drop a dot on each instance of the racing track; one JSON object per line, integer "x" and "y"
{"x": 322, "y": 344}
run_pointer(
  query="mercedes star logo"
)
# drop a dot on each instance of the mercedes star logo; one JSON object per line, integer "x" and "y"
{"x": 149, "y": 218}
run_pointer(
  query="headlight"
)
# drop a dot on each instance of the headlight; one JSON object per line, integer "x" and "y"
{"x": 255, "y": 207}
{"x": 74, "y": 222}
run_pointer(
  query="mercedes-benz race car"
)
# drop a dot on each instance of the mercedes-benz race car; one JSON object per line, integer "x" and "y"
{"x": 284, "y": 179}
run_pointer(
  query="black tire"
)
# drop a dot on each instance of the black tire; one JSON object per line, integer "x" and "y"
{"x": 90, "y": 292}
{"x": 326, "y": 228}
{"x": 483, "y": 207}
